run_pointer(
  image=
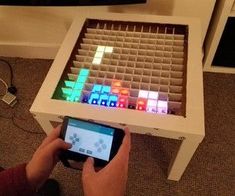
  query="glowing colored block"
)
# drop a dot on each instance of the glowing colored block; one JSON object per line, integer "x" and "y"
{"x": 67, "y": 91}
{"x": 94, "y": 98}
{"x": 82, "y": 79}
{"x": 75, "y": 95}
{"x": 103, "y": 99}
{"x": 115, "y": 91}
{"x": 112, "y": 102}
{"x": 99, "y": 54}
{"x": 143, "y": 94}
{"x": 153, "y": 95}
{"x": 141, "y": 104}
{"x": 84, "y": 72}
{"x": 106, "y": 89}
{"x": 162, "y": 107}
{"x": 108, "y": 49}
{"x": 124, "y": 91}
{"x": 96, "y": 88}
{"x": 122, "y": 102}
{"x": 97, "y": 61}
{"x": 152, "y": 105}
{"x": 69, "y": 83}
{"x": 116, "y": 83}
{"x": 100, "y": 48}
{"x": 85, "y": 99}
{"x": 78, "y": 86}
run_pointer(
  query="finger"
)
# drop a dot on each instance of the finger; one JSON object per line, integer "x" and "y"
{"x": 54, "y": 134}
{"x": 88, "y": 167}
{"x": 55, "y": 146}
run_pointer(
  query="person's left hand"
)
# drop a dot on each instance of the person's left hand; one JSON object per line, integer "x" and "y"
{"x": 45, "y": 158}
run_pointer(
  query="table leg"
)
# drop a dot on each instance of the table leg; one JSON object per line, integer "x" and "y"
{"x": 45, "y": 124}
{"x": 182, "y": 158}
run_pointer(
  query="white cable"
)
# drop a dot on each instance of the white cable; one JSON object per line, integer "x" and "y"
{"x": 5, "y": 84}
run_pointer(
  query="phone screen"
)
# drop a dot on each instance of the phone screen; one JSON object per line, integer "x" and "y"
{"x": 90, "y": 139}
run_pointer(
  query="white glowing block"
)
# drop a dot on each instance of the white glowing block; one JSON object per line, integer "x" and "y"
{"x": 152, "y": 106}
{"x": 100, "y": 49}
{"x": 162, "y": 107}
{"x": 99, "y": 54}
{"x": 143, "y": 94}
{"x": 108, "y": 49}
{"x": 96, "y": 61}
{"x": 153, "y": 95}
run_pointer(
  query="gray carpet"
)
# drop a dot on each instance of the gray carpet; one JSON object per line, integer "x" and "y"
{"x": 210, "y": 172}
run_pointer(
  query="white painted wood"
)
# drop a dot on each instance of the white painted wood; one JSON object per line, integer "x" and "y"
{"x": 48, "y": 25}
{"x": 169, "y": 126}
{"x": 221, "y": 13}
{"x": 182, "y": 158}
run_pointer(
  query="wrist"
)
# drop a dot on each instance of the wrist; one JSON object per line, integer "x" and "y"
{"x": 30, "y": 177}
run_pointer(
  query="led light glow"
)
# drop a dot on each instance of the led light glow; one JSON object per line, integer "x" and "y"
{"x": 100, "y": 50}
{"x": 162, "y": 107}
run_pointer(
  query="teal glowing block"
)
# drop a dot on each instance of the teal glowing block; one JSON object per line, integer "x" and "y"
{"x": 79, "y": 86}
{"x": 82, "y": 79}
{"x": 96, "y": 88}
{"x": 106, "y": 89}
{"x": 75, "y": 92}
{"x": 84, "y": 72}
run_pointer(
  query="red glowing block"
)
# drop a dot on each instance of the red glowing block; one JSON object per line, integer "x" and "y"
{"x": 122, "y": 102}
{"x": 141, "y": 104}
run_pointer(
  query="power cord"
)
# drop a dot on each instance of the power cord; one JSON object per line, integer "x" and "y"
{"x": 12, "y": 91}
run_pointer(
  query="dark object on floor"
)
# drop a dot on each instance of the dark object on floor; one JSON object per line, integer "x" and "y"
{"x": 225, "y": 54}
{"x": 1, "y": 169}
{"x": 50, "y": 188}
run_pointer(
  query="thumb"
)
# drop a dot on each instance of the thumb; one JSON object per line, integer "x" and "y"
{"x": 88, "y": 167}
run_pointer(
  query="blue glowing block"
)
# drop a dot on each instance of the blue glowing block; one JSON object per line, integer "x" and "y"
{"x": 112, "y": 102}
{"x": 106, "y": 89}
{"x": 103, "y": 99}
{"x": 94, "y": 98}
{"x": 96, "y": 88}
{"x": 85, "y": 99}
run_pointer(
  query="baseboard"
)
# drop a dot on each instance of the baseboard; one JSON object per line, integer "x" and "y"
{"x": 29, "y": 50}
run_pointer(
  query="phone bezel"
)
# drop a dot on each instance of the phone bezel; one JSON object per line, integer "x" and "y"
{"x": 70, "y": 155}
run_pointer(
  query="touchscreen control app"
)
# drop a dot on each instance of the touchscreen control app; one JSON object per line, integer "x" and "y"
{"x": 90, "y": 139}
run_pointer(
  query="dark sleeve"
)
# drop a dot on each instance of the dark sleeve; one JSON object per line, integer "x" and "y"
{"x": 13, "y": 182}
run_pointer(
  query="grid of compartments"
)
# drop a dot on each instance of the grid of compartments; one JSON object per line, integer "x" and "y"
{"x": 138, "y": 66}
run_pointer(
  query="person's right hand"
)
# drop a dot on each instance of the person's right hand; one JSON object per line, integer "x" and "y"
{"x": 111, "y": 180}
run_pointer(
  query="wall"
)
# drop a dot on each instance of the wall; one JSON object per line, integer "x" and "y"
{"x": 37, "y": 32}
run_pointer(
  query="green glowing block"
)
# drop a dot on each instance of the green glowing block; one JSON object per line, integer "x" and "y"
{"x": 67, "y": 91}
{"x": 79, "y": 86}
{"x": 69, "y": 83}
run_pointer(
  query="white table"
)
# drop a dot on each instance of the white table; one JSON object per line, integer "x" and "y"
{"x": 189, "y": 129}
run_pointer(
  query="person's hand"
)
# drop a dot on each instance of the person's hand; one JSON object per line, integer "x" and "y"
{"x": 45, "y": 158}
{"x": 111, "y": 180}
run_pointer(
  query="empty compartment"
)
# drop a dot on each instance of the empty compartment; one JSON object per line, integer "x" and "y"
{"x": 148, "y": 66}
{"x": 88, "y": 87}
{"x": 136, "y": 78}
{"x": 138, "y": 72}
{"x": 126, "y": 84}
{"x": 127, "y": 77}
{"x": 176, "y": 89}
{"x": 145, "y": 80}
{"x": 146, "y": 72}
{"x": 74, "y": 70}
{"x": 129, "y": 70}
{"x": 134, "y": 93}
{"x": 176, "y": 82}
{"x": 120, "y": 70}
{"x": 176, "y": 74}
{"x": 130, "y": 64}
{"x": 118, "y": 76}
{"x": 110, "y": 75}
{"x": 91, "y": 80}
{"x": 175, "y": 97}
{"x": 164, "y": 88}
{"x": 154, "y": 87}
{"x": 135, "y": 85}
{"x": 165, "y": 81}
{"x": 156, "y": 73}
{"x": 139, "y": 65}
{"x": 155, "y": 80}
{"x": 93, "y": 73}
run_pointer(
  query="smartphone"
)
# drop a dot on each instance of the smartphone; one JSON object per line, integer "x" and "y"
{"x": 90, "y": 139}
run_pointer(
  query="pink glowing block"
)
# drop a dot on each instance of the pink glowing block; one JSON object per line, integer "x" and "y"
{"x": 162, "y": 107}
